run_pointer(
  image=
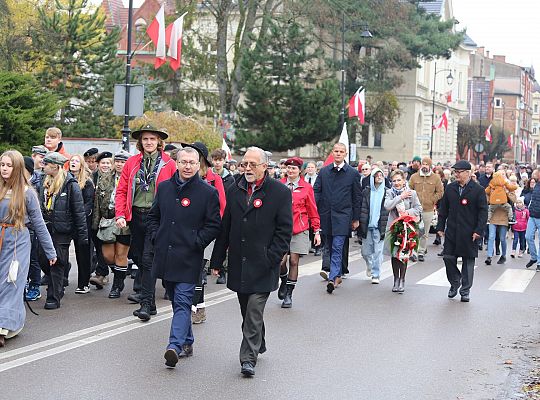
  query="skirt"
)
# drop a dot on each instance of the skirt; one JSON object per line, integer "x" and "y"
{"x": 300, "y": 243}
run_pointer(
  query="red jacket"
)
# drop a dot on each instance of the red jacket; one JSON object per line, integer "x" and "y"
{"x": 304, "y": 208}
{"x": 126, "y": 186}
{"x": 216, "y": 181}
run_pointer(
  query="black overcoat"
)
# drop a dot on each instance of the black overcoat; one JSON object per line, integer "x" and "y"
{"x": 339, "y": 197}
{"x": 181, "y": 223}
{"x": 462, "y": 215}
{"x": 257, "y": 231}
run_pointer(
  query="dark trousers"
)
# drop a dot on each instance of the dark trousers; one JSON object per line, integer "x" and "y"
{"x": 181, "y": 295}
{"x": 457, "y": 278}
{"x": 82, "y": 253}
{"x": 55, "y": 290}
{"x": 34, "y": 271}
{"x": 101, "y": 266}
{"x": 519, "y": 236}
{"x": 252, "y": 309}
{"x": 198, "y": 297}
{"x": 143, "y": 252}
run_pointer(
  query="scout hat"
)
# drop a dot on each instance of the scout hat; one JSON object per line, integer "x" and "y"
{"x": 91, "y": 152}
{"x": 149, "y": 128}
{"x": 121, "y": 155}
{"x": 103, "y": 154}
{"x": 296, "y": 161}
{"x": 53, "y": 157}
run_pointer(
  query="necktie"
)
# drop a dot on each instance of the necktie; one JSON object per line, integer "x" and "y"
{"x": 309, "y": 180}
{"x": 148, "y": 165}
{"x": 291, "y": 186}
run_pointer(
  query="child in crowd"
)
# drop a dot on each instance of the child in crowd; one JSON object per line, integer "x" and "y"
{"x": 497, "y": 197}
{"x": 522, "y": 217}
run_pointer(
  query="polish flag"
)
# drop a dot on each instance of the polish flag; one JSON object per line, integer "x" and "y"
{"x": 225, "y": 147}
{"x": 357, "y": 105}
{"x": 442, "y": 121}
{"x": 510, "y": 141}
{"x": 524, "y": 146}
{"x": 156, "y": 31}
{"x": 343, "y": 138}
{"x": 487, "y": 134}
{"x": 449, "y": 97}
{"x": 173, "y": 35}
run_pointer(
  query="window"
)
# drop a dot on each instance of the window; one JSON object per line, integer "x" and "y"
{"x": 365, "y": 137}
{"x": 536, "y": 108}
{"x": 498, "y": 102}
{"x": 378, "y": 139}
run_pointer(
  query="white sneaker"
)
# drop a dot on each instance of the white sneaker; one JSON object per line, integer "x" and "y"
{"x": 324, "y": 275}
{"x": 84, "y": 290}
{"x": 375, "y": 281}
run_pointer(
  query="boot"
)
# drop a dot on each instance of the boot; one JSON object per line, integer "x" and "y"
{"x": 395, "y": 270}
{"x": 118, "y": 284}
{"x": 282, "y": 291}
{"x": 144, "y": 312}
{"x": 287, "y": 301}
{"x": 402, "y": 270}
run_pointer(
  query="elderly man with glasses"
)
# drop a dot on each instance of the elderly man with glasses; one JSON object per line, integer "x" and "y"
{"x": 256, "y": 229}
{"x": 462, "y": 218}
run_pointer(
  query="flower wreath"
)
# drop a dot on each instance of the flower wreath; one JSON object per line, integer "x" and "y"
{"x": 404, "y": 237}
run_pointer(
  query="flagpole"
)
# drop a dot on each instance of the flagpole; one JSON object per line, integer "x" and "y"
{"x": 342, "y": 113}
{"x": 449, "y": 80}
{"x": 125, "y": 130}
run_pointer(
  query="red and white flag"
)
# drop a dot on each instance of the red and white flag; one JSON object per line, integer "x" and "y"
{"x": 510, "y": 141}
{"x": 357, "y": 105}
{"x": 442, "y": 121}
{"x": 156, "y": 31}
{"x": 343, "y": 138}
{"x": 227, "y": 150}
{"x": 524, "y": 146}
{"x": 173, "y": 35}
{"x": 449, "y": 97}
{"x": 487, "y": 134}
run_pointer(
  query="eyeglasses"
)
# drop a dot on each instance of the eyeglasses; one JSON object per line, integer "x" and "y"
{"x": 459, "y": 171}
{"x": 251, "y": 164}
{"x": 365, "y": 169}
{"x": 185, "y": 163}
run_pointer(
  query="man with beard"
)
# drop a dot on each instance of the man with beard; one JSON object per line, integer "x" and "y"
{"x": 429, "y": 188}
{"x": 414, "y": 167}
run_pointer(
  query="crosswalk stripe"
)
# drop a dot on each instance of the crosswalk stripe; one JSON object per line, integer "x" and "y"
{"x": 513, "y": 280}
{"x": 438, "y": 278}
{"x": 314, "y": 267}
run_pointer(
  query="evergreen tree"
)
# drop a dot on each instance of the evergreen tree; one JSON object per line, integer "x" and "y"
{"x": 25, "y": 112}
{"x": 285, "y": 107}
{"x": 80, "y": 66}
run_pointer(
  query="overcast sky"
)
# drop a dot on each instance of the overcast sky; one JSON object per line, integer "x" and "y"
{"x": 510, "y": 28}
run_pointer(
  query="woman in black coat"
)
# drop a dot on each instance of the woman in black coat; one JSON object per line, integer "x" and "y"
{"x": 63, "y": 211}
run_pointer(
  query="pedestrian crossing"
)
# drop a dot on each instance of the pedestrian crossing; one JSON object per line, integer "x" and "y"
{"x": 511, "y": 280}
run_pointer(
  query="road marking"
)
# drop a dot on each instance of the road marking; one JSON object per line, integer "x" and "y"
{"x": 385, "y": 272}
{"x": 96, "y": 338}
{"x": 513, "y": 280}
{"x": 438, "y": 278}
{"x": 314, "y": 267}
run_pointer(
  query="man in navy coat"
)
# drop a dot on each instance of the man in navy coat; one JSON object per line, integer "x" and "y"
{"x": 339, "y": 198}
{"x": 184, "y": 219}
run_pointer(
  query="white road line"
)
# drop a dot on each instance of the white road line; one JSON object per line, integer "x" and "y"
{"x": 314, "y": 267}
{"x": 385, "y": 272}
{"x": 98, "y": 337}
{"x": 438, "y": 278}
{"x": 513, "y": 280}
{"x": 93, "y": 329}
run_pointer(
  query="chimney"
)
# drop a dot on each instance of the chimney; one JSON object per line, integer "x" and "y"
{"x": 499, "y": 58}
{"x": 487, "y": 54}
{"x": 480, "y": 51}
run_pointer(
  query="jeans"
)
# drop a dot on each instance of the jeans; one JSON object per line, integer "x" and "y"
{"x": 533, "y": 225}
{"x": 519, "y": 236}
{"x": 372, "y": 248}
{"x": 334, "y": 245}
{"x": 502, "y": 234}
{"x": 181, "y": 295}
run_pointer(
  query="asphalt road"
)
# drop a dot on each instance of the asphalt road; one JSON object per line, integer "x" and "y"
{"x": 361, "y": 342}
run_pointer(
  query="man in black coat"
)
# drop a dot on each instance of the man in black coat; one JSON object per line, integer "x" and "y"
{"x": 183, "y": 220}
{"x": 257, "y": 229}
{"x": 463, "y": 211}
{"x": 338, "y": 197}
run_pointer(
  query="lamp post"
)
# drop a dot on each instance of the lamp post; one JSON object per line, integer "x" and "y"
{"x": 125, "y": 130}
{"x": 365, "y": 34}
{"x": 480, "y": 123}
{"x": 449, "y": 80}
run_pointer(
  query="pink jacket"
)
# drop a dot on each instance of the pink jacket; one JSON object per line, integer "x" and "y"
{"x": 522, "y": 216}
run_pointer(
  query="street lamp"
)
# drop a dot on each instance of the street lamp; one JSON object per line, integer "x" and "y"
{"x": 365, "y": 34}
{"x": 449, "y": 80}
{"x": 480, "y": 123}
{"x": 125, "y": 130}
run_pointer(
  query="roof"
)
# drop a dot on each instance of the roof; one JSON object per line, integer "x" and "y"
{"x": 432, "y": 6}
{"x": 467, "y": 41}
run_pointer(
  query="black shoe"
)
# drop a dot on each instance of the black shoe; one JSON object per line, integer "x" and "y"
{"x": 502, "y": 260}
{"x": 282, "y": 288}
{"x": 187, "y": 351}
{"x": 221, "y": 280}
{"x": 114, "y": 293}
{"x": 498, "y": 253}
{"x": 414, "y": 258}
{"x": 530, "y": 263}
{"x": 465, "y": 298}
{"x": 248, "y": 369}
{"x": 171, "y": 358}
{"x": 153, "y": 311}
{"x": 134, "y": 297}
{"x": 440, "y": 254}
{"x": 452, "y": 293}
{"x": 317, "y": 253}
{"x": 51, "y": 305}
{"x": 480, "y": 247}
{"x": 262, "y": 350}
{"x": 144, "y": 312}
{"x": 330, "y": 287}
{"x": 488, "y": 261}
{"x": 421, "y": 257}
{"x": 45, "y": 281}
{"x": 287, "y": 301}
{"x": 66, "y": 282}
{"x": 437, "y": 242}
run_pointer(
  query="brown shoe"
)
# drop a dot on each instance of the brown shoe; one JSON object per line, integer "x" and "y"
{"x": 2, "y": 340}
{"x": 338, "y": 281}
{"x": 199, "y": 316}
{"x": 98, "y": 281}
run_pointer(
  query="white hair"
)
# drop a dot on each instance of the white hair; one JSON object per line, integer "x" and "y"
{"x": 263, "y": 156}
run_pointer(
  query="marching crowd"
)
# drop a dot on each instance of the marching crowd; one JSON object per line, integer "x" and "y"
{"x": 178, "y": 214}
